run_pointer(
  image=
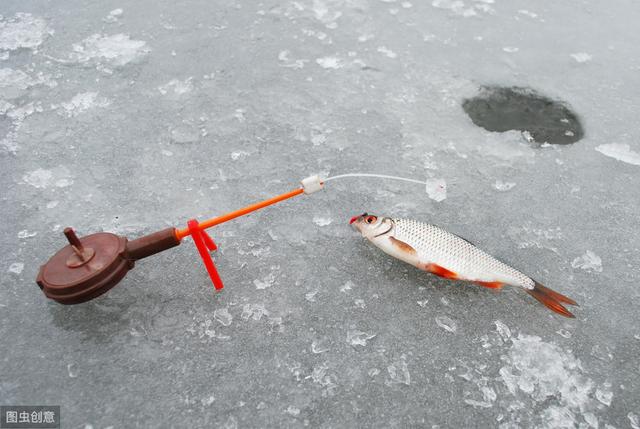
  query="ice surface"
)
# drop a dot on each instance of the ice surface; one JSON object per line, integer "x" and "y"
{"x": 132, "y": 117}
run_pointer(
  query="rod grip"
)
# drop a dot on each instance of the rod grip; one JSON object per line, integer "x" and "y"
{"x": 151, "y": 244}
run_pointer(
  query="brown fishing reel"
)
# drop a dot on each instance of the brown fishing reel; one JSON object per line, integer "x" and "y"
{"x": 90, "y": 266}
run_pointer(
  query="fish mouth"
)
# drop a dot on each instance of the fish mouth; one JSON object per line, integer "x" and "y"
{"x": 355, "y": 218}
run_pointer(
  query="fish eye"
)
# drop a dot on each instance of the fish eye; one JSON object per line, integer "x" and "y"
{"x": 370, "y": 219}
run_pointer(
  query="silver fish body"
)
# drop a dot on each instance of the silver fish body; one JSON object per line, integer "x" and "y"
{"x": 434, "y": 245}
{"x": 431, "y": 248}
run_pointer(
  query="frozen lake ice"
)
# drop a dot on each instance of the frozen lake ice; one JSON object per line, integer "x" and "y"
{"x": 131, "y": 117}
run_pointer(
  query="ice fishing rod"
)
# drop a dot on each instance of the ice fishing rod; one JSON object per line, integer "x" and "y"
{"x": 91, "y": 265}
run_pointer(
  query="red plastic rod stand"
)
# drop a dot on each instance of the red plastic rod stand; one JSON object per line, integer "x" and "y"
{"x": 204, "y": 244}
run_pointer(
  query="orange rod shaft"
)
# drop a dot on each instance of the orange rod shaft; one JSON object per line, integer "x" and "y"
{"x": 181, "y": 233}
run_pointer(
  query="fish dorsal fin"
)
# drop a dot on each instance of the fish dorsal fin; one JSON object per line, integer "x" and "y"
{"x": 462, "y": 238}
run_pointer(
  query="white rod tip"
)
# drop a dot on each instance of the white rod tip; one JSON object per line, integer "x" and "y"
{"x": 312, "y": 184}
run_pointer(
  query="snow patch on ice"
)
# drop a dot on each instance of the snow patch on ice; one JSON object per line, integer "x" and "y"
{"x": 22, "y": 30}
{"x": 82, "y": 103}
{"x": 14, "y": 82}
{"x": 292, "y": 411}
{"x": 41, "y": 178}
{"x": 322, "y": 14}
{"x": 503, "y": 186}
{"x": 16, "y": 268}
{"x": 177, "y": 87}
{"x": 527, "y": 13}
{"x": 455, "y": 6}
{"x": 588, "y": 261}
{"x": 621, "y": 152}
{"x": 329, "y": 63}
{"x": 117, "y": 50}
{"x": 114, "y": 16}
{"x": 581, "y": 57}
{"x": 322, "y": 220}
{"x": 283, "y": 57}
{"x": 387, "y": 52}
{"x": 347, "y": 286}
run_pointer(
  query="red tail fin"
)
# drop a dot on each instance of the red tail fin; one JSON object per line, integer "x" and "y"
{"x": 551, "y": 299}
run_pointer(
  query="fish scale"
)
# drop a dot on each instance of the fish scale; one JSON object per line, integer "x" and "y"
{"x": 456, "y": 254}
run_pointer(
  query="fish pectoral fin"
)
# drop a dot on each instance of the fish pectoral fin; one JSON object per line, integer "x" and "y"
{"x": 402, "y": 246}
{"x": 440, "y": 271}
{"x": 490, "y": 285}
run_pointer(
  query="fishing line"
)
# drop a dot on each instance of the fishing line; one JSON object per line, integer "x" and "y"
{"x": 382, "y": 176}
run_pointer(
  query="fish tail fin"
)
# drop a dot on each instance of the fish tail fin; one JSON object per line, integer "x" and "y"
{"x": 551, "y": 299}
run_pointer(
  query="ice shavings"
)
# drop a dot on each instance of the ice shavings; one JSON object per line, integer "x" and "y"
{"x": 82, "y": 103}
{"x": 436, "y": 189}
{"x": 322, "y": 221}
{"x": 359, "y": 338}
{"x": 604, "y": 394}
{"x": 265, "y": 282}
{"x": 446, "y": 323}
{"x": 329, "y": 63}
{"x": 319, "y": 346}
{"x": 283, "y": 57}
{"x": 456, "y": 6}
{"x": 542, "y": 371}
{"x": 177, "y": 87}
{"x": 488, "y": 396}
{"x": 14, "y": 82}
{"x": 253, "y": 311}
{"x": 387, "y": 52}
{"x": 22, "y": 30}
{"x": 322, "y": 13}
{"x": 347, "y": 286}
{"x": 223, "y": 316}
{"x": 399, "y": 372}
{"x": 26, "y": 234}
{"x": 589, "y": 262}
{"x": 16, "y": 268}
{"x": 503, "y": 330}
{"x": 113, "y": 16}
{"x": 620, "y": 151}
{"x": 581, "y": 57}
{"x": 116, "y": 50}
{"x": 503, "y": 186}
{"x": 528, "y": 236}
{"x": 311, "y": 296}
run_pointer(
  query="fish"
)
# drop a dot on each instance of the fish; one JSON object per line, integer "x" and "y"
{"x": 437, "y": 251}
